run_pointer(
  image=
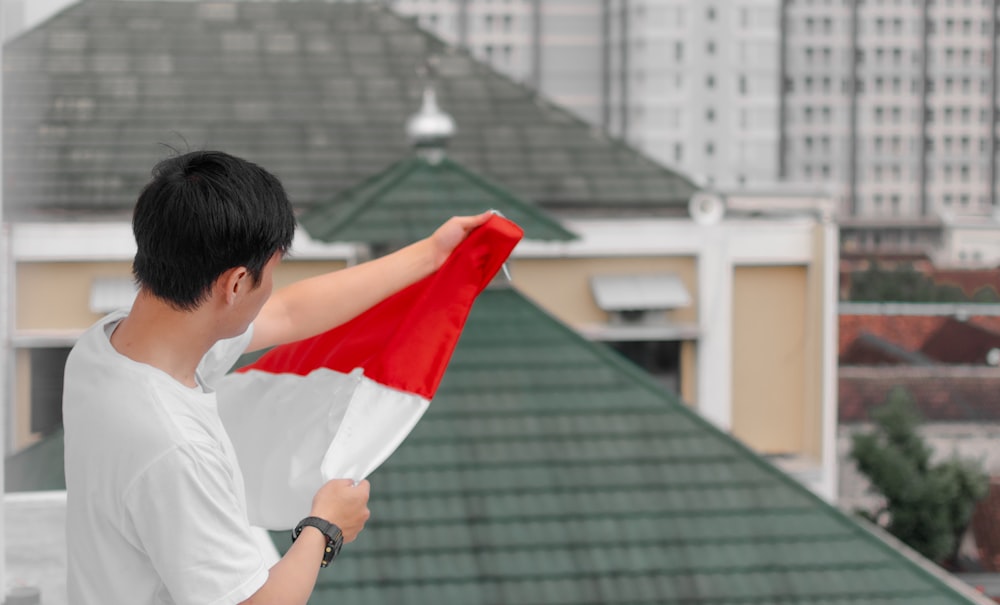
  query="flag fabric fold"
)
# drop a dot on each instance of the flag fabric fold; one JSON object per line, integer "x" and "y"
{"x": 338, "y": 404}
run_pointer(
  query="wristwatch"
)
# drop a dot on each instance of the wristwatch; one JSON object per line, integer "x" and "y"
{"x": 334, "y": 537}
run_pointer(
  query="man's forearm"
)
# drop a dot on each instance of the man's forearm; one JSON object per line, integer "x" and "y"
{"x": 314, "y": 305}
{"x": 293, "y": 578}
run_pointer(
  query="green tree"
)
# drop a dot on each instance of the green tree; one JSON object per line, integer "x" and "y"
{"x": 903, "y": 284}
{"x": 928, "y": 506}
{"x": 986, "y": 294}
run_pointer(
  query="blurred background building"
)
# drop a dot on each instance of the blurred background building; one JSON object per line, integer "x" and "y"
{"x": 886, "y": 103}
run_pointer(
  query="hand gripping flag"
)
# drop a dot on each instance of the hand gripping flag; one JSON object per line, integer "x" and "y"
{"x": 338, "y": 404}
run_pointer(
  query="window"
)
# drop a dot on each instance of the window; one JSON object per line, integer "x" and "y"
{"x": 710, "y": 81}
{"x": 709, "y": 115}
{"x": 678, "y": 50}
{"x": 710, "y": 47}
{"x": 709, "y": 148}
{"x": 661, "y": 358}
{"x": 47, "y": 365}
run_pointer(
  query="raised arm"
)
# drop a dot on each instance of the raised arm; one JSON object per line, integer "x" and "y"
{"x": 314, "y": 305}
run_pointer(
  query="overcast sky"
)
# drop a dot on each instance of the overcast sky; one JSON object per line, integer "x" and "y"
{"x": 36, "y": 11}
{"x": 32, "y": 12}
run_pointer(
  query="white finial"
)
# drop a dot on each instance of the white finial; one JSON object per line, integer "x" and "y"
{"x": 430, "y": 129}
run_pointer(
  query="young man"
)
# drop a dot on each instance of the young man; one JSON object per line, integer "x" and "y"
{"x": 156, "y": 511}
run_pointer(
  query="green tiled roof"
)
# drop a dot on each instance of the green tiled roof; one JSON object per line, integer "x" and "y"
{"x": 548, "y": 471}
{"x": 413, "y": 197}
{"x": 38, "y": 467}
{"x": 317, "y": 92}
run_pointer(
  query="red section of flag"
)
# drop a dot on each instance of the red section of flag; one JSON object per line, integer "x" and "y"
{"x": 406, "y": 341}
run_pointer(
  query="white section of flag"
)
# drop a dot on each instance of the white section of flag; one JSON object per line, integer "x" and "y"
{"x": 293, "y": 433}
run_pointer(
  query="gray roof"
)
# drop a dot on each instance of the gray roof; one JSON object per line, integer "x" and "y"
{"x": 318, "y": 93}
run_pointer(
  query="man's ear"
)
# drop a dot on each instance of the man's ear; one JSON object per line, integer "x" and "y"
{"x": 233, "y": 283}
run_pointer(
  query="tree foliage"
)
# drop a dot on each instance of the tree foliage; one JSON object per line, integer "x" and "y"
{"x": 928, "y": 505}
{"x": 906, "y": 284}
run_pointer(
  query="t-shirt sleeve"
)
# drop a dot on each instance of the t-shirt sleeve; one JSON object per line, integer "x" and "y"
{"x": 221, "y": 357}
{"x": 184, "y": 512}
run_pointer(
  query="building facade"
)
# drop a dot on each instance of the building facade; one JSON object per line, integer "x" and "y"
{"x": 891, "y": 101}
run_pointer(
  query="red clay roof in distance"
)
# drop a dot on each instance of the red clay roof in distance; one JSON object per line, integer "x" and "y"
{"x": 941, "y": 393}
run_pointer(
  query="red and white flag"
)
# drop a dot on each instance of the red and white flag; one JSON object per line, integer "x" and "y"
{"x": 338, "y": 404}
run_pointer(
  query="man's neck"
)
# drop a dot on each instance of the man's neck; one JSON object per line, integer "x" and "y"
{"x": 158, "y": 335}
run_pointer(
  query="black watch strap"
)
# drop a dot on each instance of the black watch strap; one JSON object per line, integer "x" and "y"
{"x": 334, "y": 537}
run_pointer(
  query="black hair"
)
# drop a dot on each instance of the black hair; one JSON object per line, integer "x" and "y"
{"x": 203, "y": 213}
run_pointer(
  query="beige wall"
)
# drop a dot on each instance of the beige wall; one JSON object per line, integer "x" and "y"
{"x": 56, "y": 296}
{"x": 769, "y": 357}
{"x": 562, "y": 285}
{"x": 689, "y": 375}
{"x": 23, "y": 437}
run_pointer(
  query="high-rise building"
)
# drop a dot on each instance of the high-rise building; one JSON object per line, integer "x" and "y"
{"x": 893, "y": 102}
{"x": 693, "y": 83}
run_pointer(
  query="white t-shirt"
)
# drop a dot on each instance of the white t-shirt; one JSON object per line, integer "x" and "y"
{"x": 156, "y": 510}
